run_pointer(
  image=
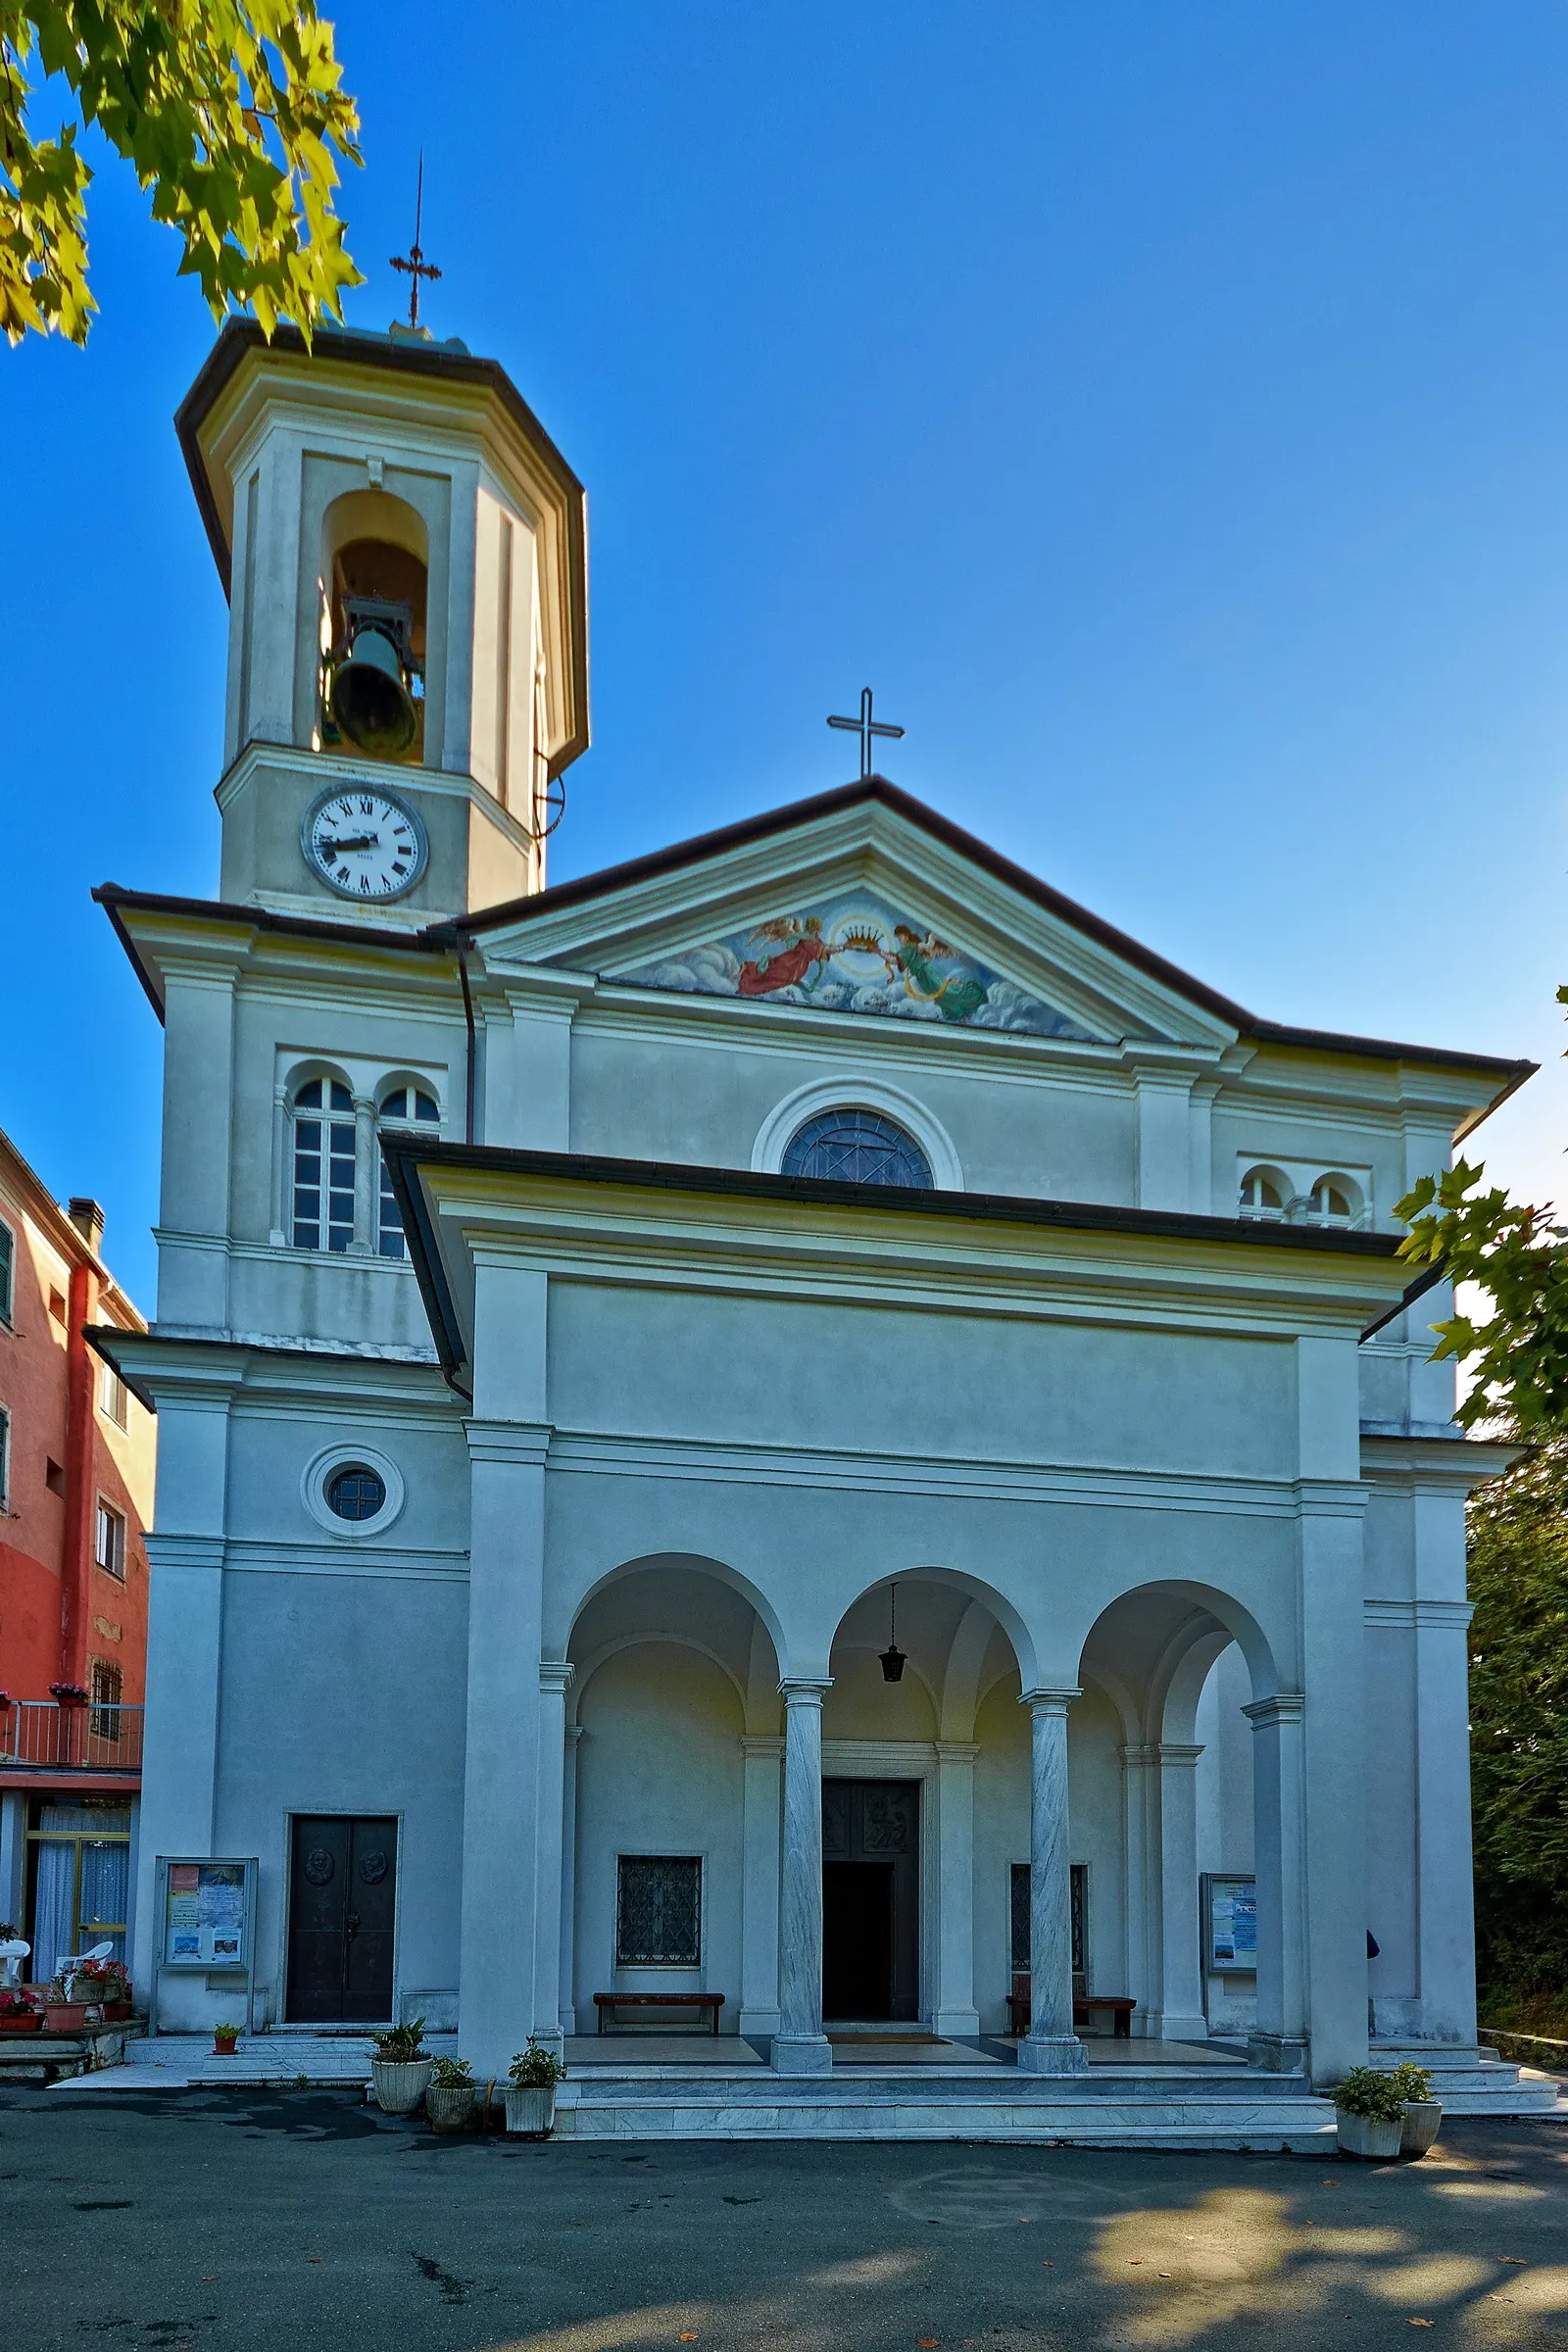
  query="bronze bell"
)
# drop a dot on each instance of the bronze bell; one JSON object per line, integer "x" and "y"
{"x": 370, "y": 699}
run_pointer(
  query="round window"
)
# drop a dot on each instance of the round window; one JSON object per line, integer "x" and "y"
{"x": 356, "y": 1491}
{"x": 857, "y": 1147}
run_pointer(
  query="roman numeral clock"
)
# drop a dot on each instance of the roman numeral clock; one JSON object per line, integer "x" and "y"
{"x": 364, "y": 844}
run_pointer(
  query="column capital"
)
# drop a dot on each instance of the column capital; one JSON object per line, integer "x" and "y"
{"x": 956, "y": 1751}
{"x": 1157, "y": 1754}
{"x": 759, "y": 1744}
{"x": 1267, "y": 1714}
{"x": 805, "y": 1689}
{"x": 573, "y": 1734}
{"x": 555, "y": 1674}
{"x": 1049, "y": 1703}
{"x": 525, "y": 1442}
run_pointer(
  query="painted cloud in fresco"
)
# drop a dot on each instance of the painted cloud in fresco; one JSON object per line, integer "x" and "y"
{"x": 855, "y": 955}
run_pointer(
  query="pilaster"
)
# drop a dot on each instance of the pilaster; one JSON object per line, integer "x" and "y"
{"x": 761, "y": 1783}
{"x": 955, "y": 2012}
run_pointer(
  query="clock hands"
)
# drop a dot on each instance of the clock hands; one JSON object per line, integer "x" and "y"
{"x": 358, "y": 840}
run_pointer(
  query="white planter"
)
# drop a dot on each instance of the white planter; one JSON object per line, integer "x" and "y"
{"x": 532, "y": 2113}
{"x": 449, "y": 2109}
{"x": 1422, "y": 2118}
{"x": 1362, "y": 2136}
{"x": 399, "y": 2088}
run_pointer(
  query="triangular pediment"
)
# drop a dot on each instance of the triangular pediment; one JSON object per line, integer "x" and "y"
{"x": 863, "y": 905}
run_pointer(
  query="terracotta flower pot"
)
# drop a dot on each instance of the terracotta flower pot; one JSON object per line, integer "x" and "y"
{"x": 401, "y": 2085}
{"x": 451, "y": 2108}
{"x": 117, "y": 2013}
{"x": 1369, "y": 2135}
{"x": 225, "y": 2044}
{"x": 530, "y": 2114}
{"x": 65, "y": 2016}
{"x": 1422, "y": 2118}
{"x": 32, "y": 2023}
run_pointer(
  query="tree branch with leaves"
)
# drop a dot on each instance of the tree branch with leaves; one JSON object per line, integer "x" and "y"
{"x": 1518, "y": 1257}
{"x": 230, "y": 111}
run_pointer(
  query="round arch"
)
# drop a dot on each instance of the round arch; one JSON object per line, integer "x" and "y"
{"x": 860, "y": 1091}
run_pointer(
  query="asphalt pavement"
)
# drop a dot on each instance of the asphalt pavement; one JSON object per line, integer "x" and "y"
{"x": 223, "y": 2221}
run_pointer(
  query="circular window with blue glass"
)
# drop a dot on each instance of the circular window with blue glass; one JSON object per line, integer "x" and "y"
{"x": 352, "y": 1490}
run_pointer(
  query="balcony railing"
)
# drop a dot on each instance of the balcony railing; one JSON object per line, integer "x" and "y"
{"x": 42, "y": 1734}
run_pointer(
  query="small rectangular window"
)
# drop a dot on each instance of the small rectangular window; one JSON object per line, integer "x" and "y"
{"x": 57, "y": 1305}
{"x": 658, "y": 1911}
{"x": 8, "y": 1271}
{"x": 109, "y": 1550}
{"x": 112, "y": 1396}
{"x": 107, "y": 1684}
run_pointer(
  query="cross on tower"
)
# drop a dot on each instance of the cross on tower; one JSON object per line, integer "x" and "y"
{"x": 413, "y": 262}
{"x": 865, "y": 726}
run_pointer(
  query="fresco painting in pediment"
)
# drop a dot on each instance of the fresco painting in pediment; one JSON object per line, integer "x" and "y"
{"x": 856, "y": 955}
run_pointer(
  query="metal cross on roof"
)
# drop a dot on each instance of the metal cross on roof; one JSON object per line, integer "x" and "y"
{"x": 865, "y": 726}
{"x": 413, "y": 262}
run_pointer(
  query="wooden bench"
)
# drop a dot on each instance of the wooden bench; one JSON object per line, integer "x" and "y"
{"x": 605, "y": 2002}
{"x": 1121, "y": 2004}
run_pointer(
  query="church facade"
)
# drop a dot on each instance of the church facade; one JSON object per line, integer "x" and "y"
{"x": 797, "y": 1420}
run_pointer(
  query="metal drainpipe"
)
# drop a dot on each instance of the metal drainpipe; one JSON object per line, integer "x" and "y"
{"x": 470, "y": 1072}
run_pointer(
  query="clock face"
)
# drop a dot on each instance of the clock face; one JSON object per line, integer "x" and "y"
{"x": 364, "y": 844}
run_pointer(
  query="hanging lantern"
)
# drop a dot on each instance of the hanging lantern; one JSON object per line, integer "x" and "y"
{"x": 893, "y": 1655}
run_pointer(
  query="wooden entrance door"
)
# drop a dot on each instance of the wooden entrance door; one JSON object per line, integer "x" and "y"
{"x": 871, "y": 1899}
{"x": 342, "y": 1905}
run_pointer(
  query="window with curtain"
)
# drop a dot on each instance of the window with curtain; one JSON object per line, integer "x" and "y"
{"x": 112, "y": 1396}
{"x": 323, "y": 1166}
{"x": 108, "y": 1683}
{"x": 79, "y": 1880}
{"x": 109, "y": 1543}
{"x": 407, "y": 1106}
{"x": 857, "y": 1147}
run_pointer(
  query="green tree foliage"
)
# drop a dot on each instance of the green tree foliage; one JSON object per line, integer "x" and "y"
{"x": 1519, "y": 1735}
{"x": 1518, "y": 1354}
{"x": 230, "y": 111}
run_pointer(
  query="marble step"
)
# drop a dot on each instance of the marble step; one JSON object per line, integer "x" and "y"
{"x": 787, "y": 2108}
{"x": 1475, "y": 2081}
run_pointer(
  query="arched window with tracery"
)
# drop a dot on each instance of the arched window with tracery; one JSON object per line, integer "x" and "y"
{"x": 323, "y": 1166}
{"x": 857, "y": 1147}
{"x": 406, "y": 1106}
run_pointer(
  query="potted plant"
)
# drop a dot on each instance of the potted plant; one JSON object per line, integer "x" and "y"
{"x": 531, "y": 2090}
{"x": 224, "y": 2039}
{"x": 18, "y": 2015}
{"x": 1423, "y": 2113}
{"x": 1370, "y": 2109}
{"x": 105, "y": 1985}
{"x": 449, "y": 2100}
{"x": 61, "y": 2013}
{"x": 401, "y": 2069}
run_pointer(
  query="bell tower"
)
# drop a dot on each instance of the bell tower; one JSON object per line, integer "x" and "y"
{"x": 405, "y": 554}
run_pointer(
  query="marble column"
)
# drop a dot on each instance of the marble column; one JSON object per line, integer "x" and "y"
{"x": 568, "y": 1985}
{"x": 1278, "y": 2041}
{"x": 762, "y": 1764}
{"x": 1051, "y": 2046}
{"x": 799, "y": 2046}
{"x": 554, "y": 1680}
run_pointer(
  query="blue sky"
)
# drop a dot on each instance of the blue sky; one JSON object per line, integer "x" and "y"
{"x": 1160, "y": 405}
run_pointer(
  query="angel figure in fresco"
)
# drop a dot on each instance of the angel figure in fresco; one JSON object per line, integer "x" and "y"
{"x": 798, "y": 959}
{"x": 956, "y": 995}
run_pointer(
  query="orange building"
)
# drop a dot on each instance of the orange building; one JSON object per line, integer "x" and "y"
{"x": 76, "y": 1462}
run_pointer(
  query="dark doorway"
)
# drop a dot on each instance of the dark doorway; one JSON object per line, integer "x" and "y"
{"x": 342, "y": 1905}
{"x": 871, "y": 1901}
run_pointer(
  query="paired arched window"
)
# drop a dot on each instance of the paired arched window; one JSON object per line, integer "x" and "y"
{"x": 403, "y": 1107}
{"x": 857, "y": 1147}
{"x": 1329, "y": 1200}
{"x": 1261, "y": 1195}
{"x": 323, "y": 1166}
